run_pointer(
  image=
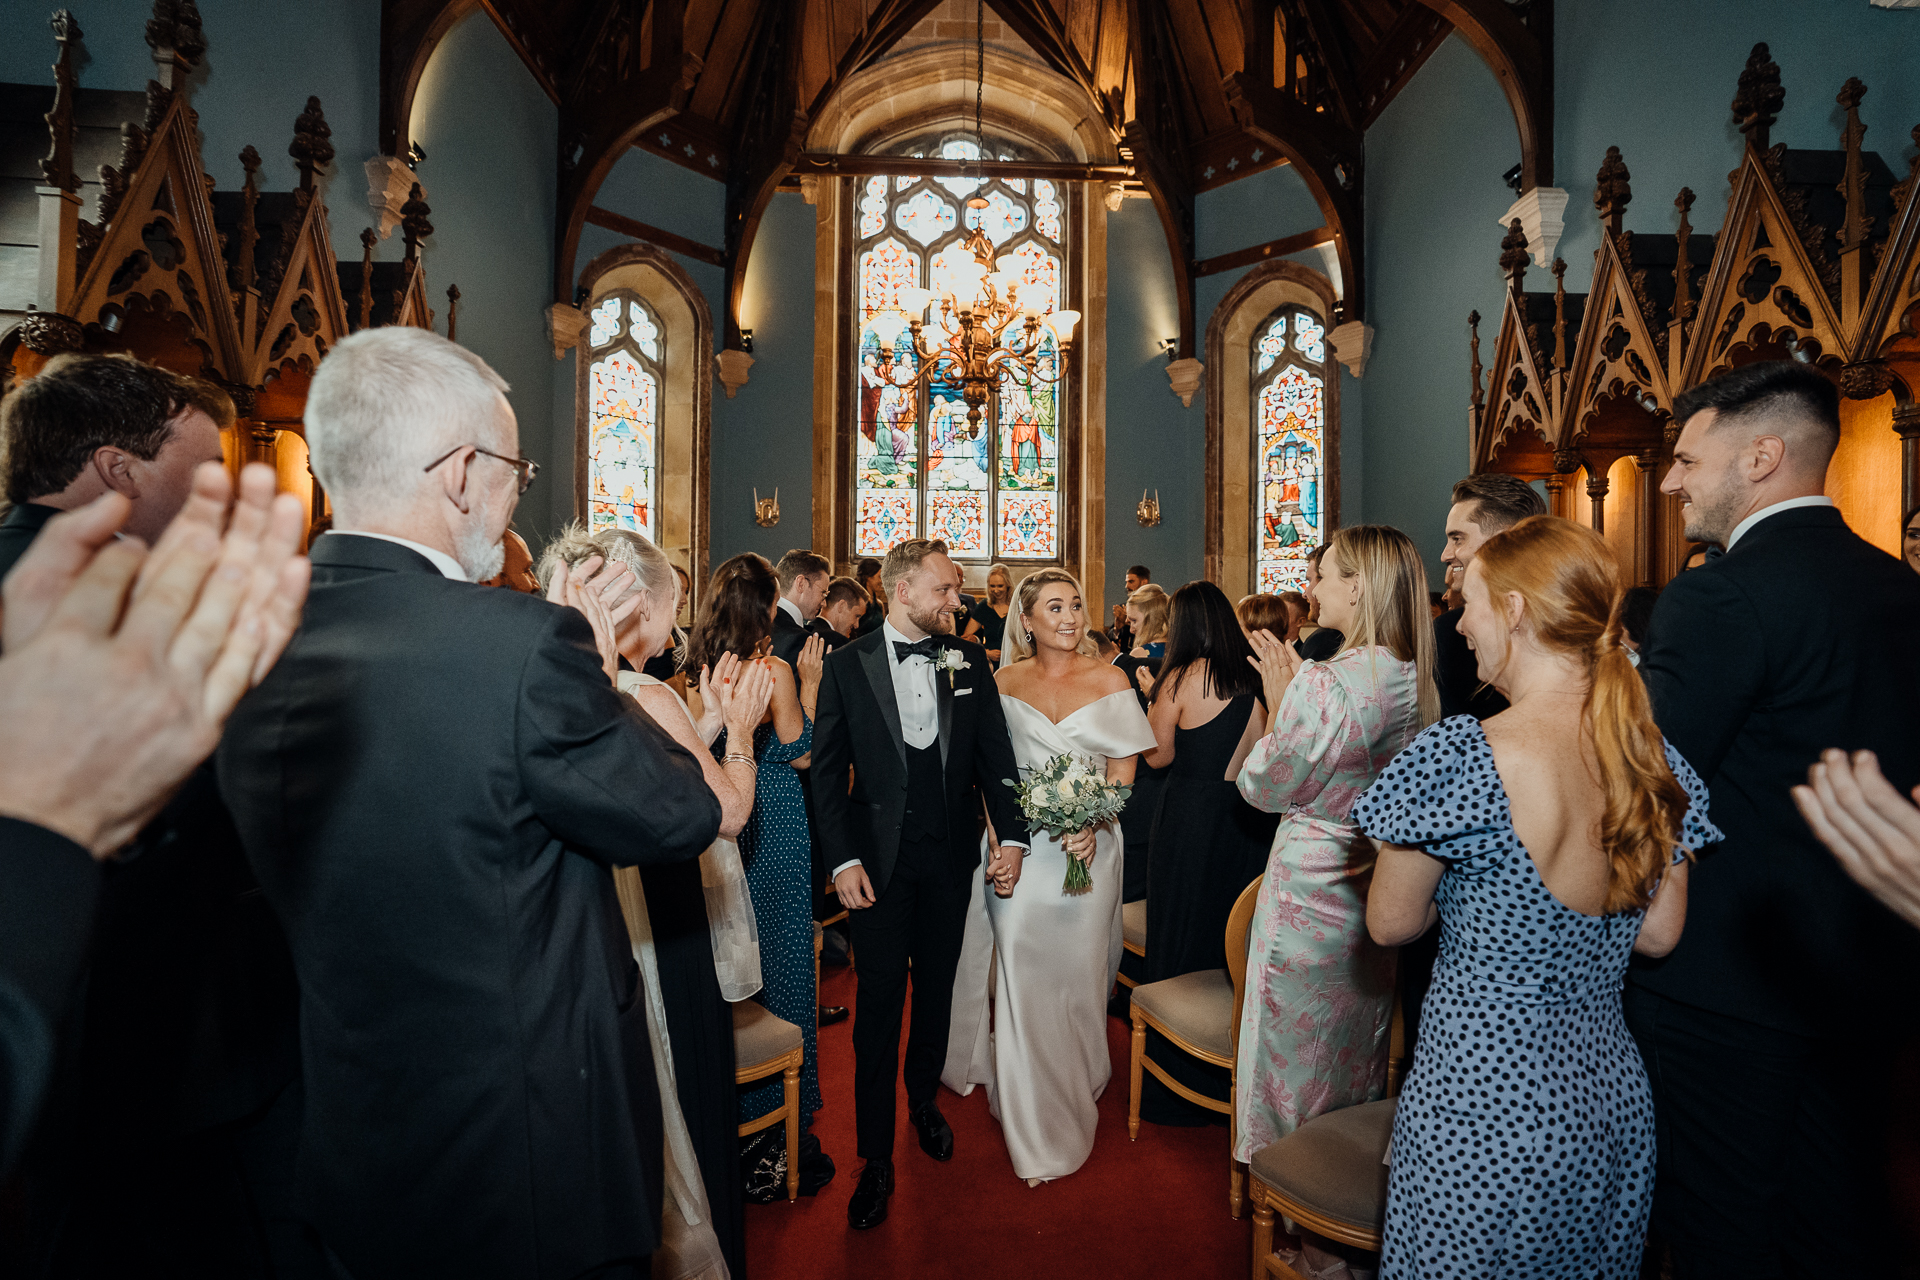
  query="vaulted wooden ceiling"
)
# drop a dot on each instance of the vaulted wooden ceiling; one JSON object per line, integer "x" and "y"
{"x": 1188, "y": 88}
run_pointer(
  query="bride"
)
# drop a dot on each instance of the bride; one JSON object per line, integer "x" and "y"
{"x": 1042, "y": 1051}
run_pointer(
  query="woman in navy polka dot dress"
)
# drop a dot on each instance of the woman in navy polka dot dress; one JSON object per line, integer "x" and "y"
{"x": 737, "y": 617}
{"x": 1551, "y": 843}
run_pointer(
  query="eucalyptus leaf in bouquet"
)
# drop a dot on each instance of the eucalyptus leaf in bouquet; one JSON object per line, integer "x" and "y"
{"x": 1065, "y": 795}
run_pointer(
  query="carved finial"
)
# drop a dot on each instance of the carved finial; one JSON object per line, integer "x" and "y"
{"x": 1612, "y": 190}
{"x": 249, "y": 228}
{"x": 1559, "y": 314}
{"x": 1903, "y": 190}
{"x": 1473, "y": 329}
{"x": 1513, "y": 255}
{"x": 1683, "y": 304}
{"x": 368, "y": 239}
{"x": 311, "y": 148}
{"x": 175, "y": 26}
{"x": 1757, "y": 104}
{"x": 453, "y": 310}
{"x": 1856, "y": 225}
{"x": 57, "y": 168}
{"x": 413, "y": 222}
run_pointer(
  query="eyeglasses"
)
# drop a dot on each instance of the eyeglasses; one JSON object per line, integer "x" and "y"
{"x": 527, "y": 467}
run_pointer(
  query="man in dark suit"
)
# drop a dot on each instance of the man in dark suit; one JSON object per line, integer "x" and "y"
{"x": 803, "y": 589}
{"x": 1765, "y": 1027}
{"x": 1483, "y": 505}
{"x": 915, "y": 716}
{"x": 432, "y": 787}
{"x": 847, "y": 605}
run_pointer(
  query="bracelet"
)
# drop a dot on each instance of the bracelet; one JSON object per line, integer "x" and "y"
{"x": 749, "y": 761}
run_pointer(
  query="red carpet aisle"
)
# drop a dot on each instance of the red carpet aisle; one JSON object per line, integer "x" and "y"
{"x": 1152, "y": 1208}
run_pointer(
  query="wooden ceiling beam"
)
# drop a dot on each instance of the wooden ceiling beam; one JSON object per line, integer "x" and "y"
{"x": 1520, "y": 55}
{"x": 831, "y": 164}
{"x": 1329, "y": 40}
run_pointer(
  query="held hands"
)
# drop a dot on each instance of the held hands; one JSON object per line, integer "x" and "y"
{"x": 1872, "y": 831}
{"x": 128, "y": 662}
{"x": 1277, "y": 664}
{"x": 854, "y": 889}
{"x": 1003, "y": 867}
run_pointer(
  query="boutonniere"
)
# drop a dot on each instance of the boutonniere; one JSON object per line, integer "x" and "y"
{"x": 951, "y": 661}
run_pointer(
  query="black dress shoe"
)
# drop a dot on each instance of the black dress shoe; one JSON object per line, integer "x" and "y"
{"x": 936, "y": 1135}
{"x": 832, "y": 1013}
{"x": 868, "y": 1208}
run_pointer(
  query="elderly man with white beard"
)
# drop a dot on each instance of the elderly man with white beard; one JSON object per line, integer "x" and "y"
{"x": 432, "y": 787}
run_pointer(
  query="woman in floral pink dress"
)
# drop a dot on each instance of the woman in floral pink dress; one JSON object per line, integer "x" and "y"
{"x": 1313, "y": 1033}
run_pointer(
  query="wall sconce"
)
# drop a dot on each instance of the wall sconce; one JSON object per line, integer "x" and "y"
{"x": 415, "y": 154}
{"x": 766, "y": 511}
{"x": 746, "y": 341}
{"x": 1169, "y": 346}
{"x": 1148, "y": 512}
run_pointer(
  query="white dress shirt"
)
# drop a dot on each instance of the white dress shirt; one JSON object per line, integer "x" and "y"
{"x": 1814, "y": 500}
{"x": 792, "y": 611}
{"x": 918, "y": 698}
{"x": 445, "y": 563}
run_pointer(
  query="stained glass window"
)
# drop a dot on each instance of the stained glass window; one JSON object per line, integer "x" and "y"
{"x": 623, "y": 438}
{"x": 1289, "y": 413}
{"x": 921, "y": 468}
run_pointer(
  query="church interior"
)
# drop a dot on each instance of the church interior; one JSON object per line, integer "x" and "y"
{"x": 1259, "y": 269}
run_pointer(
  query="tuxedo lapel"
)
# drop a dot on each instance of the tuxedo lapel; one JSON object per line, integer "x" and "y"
{"x": 943, "y": 694}
{"x": 880, "y": 676}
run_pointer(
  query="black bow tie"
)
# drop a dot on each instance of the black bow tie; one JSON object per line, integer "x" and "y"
{"x": 928, "y": 648}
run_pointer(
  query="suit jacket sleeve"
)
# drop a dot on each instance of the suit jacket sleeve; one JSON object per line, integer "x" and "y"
{"x": 994, "y": 762}
{"x": 1704, "y": 665}
{"x": 48, "y": 886}
{"x": 832, "y": 764}
{"x": 602, "y": 775}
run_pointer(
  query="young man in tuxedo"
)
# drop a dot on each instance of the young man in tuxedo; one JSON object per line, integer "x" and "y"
{"x": 847, "y": 604}
{"x": 914, "y": 715}
{"x": 1763, "y": 1027}
{"x": 803, "y": 589}
{"x": 1483, "y": 505}
{"x": 432, "y": 787}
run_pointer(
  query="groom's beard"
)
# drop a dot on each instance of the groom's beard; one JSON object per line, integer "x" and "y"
{"x": 936, "y": 622}
{"x": 480, "y": 559}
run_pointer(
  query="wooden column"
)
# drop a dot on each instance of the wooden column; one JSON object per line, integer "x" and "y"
{"x": 1647, "y": 464}
{"x": 1597, "y": 492}
{"x": 1906, "y": 422}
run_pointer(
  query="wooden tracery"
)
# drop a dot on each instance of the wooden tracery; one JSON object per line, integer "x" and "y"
{"x": 241, "y": 288}
{"x": 1815, "y": 261}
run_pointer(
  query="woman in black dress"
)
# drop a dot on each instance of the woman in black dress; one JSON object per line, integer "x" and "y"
{"x": 987, "y": 623}
{"x": 1208, "y": 842}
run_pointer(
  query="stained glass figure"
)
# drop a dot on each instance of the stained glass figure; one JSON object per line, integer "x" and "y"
{"x": 1289, "y": 448}
{"x": 623, "y": 432}
{"x": 920, "y": 468}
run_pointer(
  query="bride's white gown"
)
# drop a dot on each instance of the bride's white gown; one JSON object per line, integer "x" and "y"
{"x": 1041, "y": 1049}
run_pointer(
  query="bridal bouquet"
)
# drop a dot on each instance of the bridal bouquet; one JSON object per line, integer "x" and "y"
{"x": 1065, "y": 795}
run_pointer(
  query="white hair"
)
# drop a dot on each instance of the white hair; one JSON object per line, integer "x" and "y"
{"x": 386, "y": 402}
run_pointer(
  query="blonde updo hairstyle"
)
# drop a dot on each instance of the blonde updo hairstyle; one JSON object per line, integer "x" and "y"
{"x": 1570, "y": 583}
{"x": 653, "y": 573}
{"x": 1018, "y": 641}
{"x": 1153, "y": 602}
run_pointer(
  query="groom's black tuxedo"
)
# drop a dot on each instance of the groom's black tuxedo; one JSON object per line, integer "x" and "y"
{"x": 912, "y": 819}
{"x": 431, "y": 785}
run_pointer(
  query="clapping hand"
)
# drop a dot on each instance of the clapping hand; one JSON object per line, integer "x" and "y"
{"x": 752, "y": 690}
{"x": 716, "y": 692}
{"x": 127, "y": 664}
{"x": 1277, "y": 664}
{"x": 592, "y": 587}
{"x": 1868, "y": 825}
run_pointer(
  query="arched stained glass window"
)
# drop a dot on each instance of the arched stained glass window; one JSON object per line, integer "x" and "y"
{"x": 623, "y": 408}
{"x": 919, "y": 470}
{"x": 1289, "y": 413}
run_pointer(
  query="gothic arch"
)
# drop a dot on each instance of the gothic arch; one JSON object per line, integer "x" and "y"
{"x": 686, "y": 422}
{"x": 1229, "y": 480}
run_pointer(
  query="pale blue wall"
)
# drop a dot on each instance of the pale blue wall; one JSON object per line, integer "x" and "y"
{"x": 490, "y": 134}
{"x": 1152, "y": 441}
{"x": 264, "y": 57}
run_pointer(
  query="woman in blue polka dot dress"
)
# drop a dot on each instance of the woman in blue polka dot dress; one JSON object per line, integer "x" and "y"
{"x": 1551, "y": 842}
{"x": 776, "y": 848}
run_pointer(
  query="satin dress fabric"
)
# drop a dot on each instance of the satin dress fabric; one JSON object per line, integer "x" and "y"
{"x": 1030, "y": 996}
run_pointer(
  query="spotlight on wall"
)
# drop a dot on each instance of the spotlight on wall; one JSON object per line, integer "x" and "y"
{"x": 415, "y": 154}
{"x": 746, "y": 341}
{"x": 1169, "y": 346}
{"x": 1512, "y": 178}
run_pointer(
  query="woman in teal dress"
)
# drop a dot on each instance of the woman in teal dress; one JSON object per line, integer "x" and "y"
{"x": 776, "y": 847}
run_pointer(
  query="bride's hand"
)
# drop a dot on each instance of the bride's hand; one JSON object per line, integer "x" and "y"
{"x": 1080, "y": 845}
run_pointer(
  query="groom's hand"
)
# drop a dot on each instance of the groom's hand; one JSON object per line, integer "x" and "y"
{"x": 1003, "y": 866}
{"x": 855, "y": 890}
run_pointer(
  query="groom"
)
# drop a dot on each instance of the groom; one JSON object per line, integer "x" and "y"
{"x": 915, "y": 716}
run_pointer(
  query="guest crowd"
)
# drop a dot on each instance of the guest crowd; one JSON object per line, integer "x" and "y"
{"x": 358, "y": 921}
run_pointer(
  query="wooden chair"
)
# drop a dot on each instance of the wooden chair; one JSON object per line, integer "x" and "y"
{"x": 1327, "y": 1175}
{"x": 762, "y": 1045}
{"x": 1200, "y": 1014}
{"x": 1133, "y": 933}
